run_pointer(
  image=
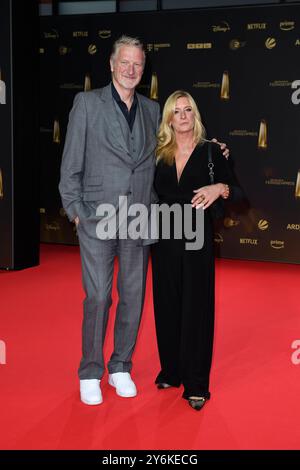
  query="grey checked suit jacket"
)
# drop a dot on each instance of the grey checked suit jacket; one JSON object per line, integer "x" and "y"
{"x": 97, "y": 166}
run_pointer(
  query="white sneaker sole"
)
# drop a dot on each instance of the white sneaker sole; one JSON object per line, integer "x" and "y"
{"x": 91, "y": 403}
{"x": 123, "y": 395}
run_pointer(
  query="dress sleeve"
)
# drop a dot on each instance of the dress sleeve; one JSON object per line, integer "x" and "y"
{"x": 223, "y": 173}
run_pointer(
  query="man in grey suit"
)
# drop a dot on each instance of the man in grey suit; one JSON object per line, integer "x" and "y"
{"x": 109, "y": 152}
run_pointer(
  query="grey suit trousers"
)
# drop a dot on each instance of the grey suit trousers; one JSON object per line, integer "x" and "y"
{"x": 97, "y": 258}
{"x": 102, "y": 161}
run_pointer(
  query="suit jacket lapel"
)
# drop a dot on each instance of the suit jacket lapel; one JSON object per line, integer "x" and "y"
{"x": 149, "y": 140}
{"x": 111, "y": 117}
{"x": 143, "y": 125}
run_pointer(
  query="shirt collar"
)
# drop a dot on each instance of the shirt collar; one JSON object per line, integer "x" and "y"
{"x": 118, "y": 98}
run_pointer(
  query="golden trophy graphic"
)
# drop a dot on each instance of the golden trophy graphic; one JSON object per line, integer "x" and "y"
{"x": 56, "y": 132}
{"x": 225, "y": 86}
{"x": 297, "y": 190}
{"x": 262, "y": 136}
{"x": 2, "y": 90}
{"x": 154, "y": 87}
{"x": 229, "y": 222}
{"x": 1, "y": 185}
{"x": 87, "y": 82}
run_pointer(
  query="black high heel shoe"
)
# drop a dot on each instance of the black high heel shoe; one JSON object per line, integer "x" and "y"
{"x": 162, "y": 385}
{"x": 197, "y": 402}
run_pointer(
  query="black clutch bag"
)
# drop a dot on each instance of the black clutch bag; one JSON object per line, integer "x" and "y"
{"x": 217, "y": 209}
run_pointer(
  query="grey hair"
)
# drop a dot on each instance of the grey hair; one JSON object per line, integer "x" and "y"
{"x": 127, "y": 41}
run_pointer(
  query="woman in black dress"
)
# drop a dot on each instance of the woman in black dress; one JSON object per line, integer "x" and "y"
{"x": 183, "y": 280}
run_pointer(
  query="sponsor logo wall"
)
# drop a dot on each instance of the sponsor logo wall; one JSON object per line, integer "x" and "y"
{"x": 244, "y": 72}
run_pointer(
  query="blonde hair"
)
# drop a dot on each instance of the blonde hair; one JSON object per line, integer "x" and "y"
{"x": 166, "y": 146}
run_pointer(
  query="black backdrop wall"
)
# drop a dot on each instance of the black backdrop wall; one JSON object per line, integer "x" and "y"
{"x": 19, "y": 159}
{"x": 241, "y": 65}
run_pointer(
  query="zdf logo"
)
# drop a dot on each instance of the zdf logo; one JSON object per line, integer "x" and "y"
{"x": 296, "y": 94}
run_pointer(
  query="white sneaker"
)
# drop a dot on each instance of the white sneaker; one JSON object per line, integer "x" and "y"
{"x": 123, "y": 384}
{"x": 90, "y": 392}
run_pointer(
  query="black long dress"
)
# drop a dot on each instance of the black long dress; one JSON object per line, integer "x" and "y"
{"x": 183, "y": 280}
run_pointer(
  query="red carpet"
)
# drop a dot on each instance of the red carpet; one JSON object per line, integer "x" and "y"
{"x": 255, "y": 386}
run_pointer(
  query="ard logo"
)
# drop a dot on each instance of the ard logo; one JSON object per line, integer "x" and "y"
{"x": 199, "y": 45}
